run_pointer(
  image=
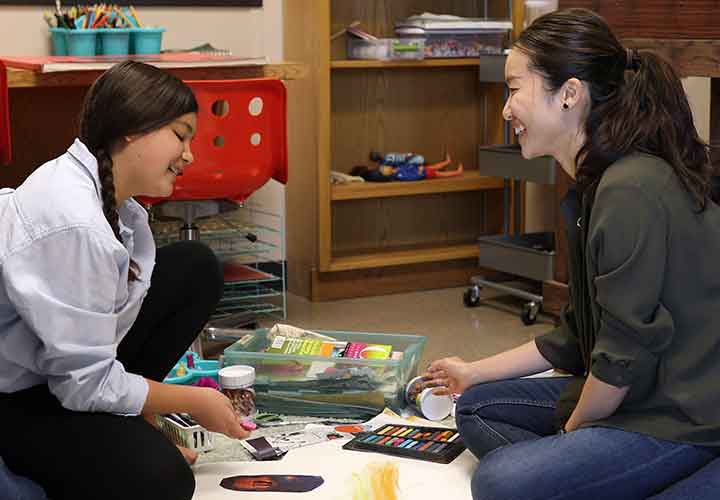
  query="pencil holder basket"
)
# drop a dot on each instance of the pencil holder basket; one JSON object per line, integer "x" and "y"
{"x": 185, "y": 434}
{"x": 146, "y": 40}
{"x": 82, "y": 42}
{"x": 115, "y": 42}
{"x": 59, "y": 41}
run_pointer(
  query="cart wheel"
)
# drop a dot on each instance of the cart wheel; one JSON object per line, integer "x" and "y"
{"x": 471, "y": 297}
{"x": 529, "y": 313}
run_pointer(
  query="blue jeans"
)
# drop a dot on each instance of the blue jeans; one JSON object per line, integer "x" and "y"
{"x": 13, "y": 487}
{"x": 702, "y": 485}
{"x": 509, "y": 425}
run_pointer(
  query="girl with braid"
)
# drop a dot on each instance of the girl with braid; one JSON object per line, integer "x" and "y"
{"x": 639, "y": 416}
{"x": 92, "y": 316}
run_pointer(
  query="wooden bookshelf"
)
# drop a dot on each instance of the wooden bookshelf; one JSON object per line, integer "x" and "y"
{"x": 373, "y": 238}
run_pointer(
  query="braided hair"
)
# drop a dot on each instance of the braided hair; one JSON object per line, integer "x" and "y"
{"x": 130, "y": 98}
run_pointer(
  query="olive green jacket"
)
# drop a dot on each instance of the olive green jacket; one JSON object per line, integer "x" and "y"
{"x": 647, "y": 312}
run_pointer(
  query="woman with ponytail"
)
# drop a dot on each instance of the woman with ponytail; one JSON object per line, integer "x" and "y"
{"x": 92, "y": 317}
{"x": 640, "y": 336}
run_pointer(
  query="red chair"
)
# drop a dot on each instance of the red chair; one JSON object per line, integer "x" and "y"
{"x": 5, "y": 145}
{"x": 241, "y": 143}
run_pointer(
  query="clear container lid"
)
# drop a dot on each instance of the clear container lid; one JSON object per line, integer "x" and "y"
{"x": 236, "y": 377}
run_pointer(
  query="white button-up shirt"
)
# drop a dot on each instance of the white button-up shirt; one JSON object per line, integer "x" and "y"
{"x": 65, "y": 300}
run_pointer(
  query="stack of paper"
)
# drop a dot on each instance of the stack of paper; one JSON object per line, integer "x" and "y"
{"x": 439, "y": 24}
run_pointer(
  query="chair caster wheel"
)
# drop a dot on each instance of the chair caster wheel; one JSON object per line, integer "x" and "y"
{"x": 471, "y": 297}
{"x": 529, "y": 313}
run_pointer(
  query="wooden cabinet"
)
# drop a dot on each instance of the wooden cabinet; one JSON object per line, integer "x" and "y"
{"x": 372, "y": 238}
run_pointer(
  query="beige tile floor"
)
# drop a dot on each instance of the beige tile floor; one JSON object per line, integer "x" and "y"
{"x": 450, "y": 327}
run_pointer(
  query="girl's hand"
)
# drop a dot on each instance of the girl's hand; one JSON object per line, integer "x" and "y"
{"x": 452, "y": 375}
{"x": 213, "y": 410}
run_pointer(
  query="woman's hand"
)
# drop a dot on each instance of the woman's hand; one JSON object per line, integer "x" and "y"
{"x": 451, "y": 375}
{"x": 213, "y": 410}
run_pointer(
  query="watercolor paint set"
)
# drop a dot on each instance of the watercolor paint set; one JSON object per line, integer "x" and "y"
{"x": 424, "y": 443}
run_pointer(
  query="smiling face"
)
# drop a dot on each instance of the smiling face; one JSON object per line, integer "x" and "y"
{"x": 546, "y": 123}
{"x": 532, "y": 111}
{"x": 148, "y": 164}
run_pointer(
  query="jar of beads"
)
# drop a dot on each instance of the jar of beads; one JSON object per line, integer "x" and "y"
{"x": 236, "y": 382}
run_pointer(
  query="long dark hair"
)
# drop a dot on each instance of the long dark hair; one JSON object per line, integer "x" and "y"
{"x": 128, "y": 99}
{"x": 637, "y": 100}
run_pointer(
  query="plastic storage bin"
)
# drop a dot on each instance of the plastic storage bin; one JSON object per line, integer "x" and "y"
{"x": 82, "y": 42}
{"x": 507, "y": 161}
{"x": 114, "y": 41}
{"x": 470, "y": 45}
{"x": 386, "y": 48}
{"x": 348, "y": 381}
{"x": 203, "y": 368}
{"x": 146, "y": 40}
{"x": 58, "y": 37}
{"x": 529, "y": 255}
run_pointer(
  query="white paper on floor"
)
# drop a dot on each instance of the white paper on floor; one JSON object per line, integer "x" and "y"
{"x": 418, "y": 479}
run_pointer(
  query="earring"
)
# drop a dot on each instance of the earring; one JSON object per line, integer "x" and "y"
{"x": 565, "y": 105}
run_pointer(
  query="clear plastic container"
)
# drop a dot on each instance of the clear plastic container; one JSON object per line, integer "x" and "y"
{"x": 301, "y": 375}
{"x": 470, "y": 45}
{"x": 386, "y": 48}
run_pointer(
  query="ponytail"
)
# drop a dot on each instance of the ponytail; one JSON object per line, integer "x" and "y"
{"x": 650, "y": 114}
{"x": 638, "y": 103}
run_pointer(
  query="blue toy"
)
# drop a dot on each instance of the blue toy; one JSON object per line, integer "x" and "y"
{"x": 404, "y": 167}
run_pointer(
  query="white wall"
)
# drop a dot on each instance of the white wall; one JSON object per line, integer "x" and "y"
{"x": 249, "y": 32}
{"x": 698, "y": 91}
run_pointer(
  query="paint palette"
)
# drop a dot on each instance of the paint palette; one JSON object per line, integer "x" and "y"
{"x": 424, "y": 443}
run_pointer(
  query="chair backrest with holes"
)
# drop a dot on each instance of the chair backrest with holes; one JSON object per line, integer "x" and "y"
{"x": 241, "y": 140}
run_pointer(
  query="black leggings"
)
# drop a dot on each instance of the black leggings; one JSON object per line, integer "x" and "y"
{"x": 80, "y": 455}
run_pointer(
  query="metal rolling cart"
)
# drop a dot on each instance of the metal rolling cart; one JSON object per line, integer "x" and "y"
{"x": 527, "y": 255}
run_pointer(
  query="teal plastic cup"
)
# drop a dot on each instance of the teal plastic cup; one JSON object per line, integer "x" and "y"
{"x": 59, "y": 41}
{"x": 115, "y": 42}
{"x": 146, "y": 40}
{"x": 81, "y": 42}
